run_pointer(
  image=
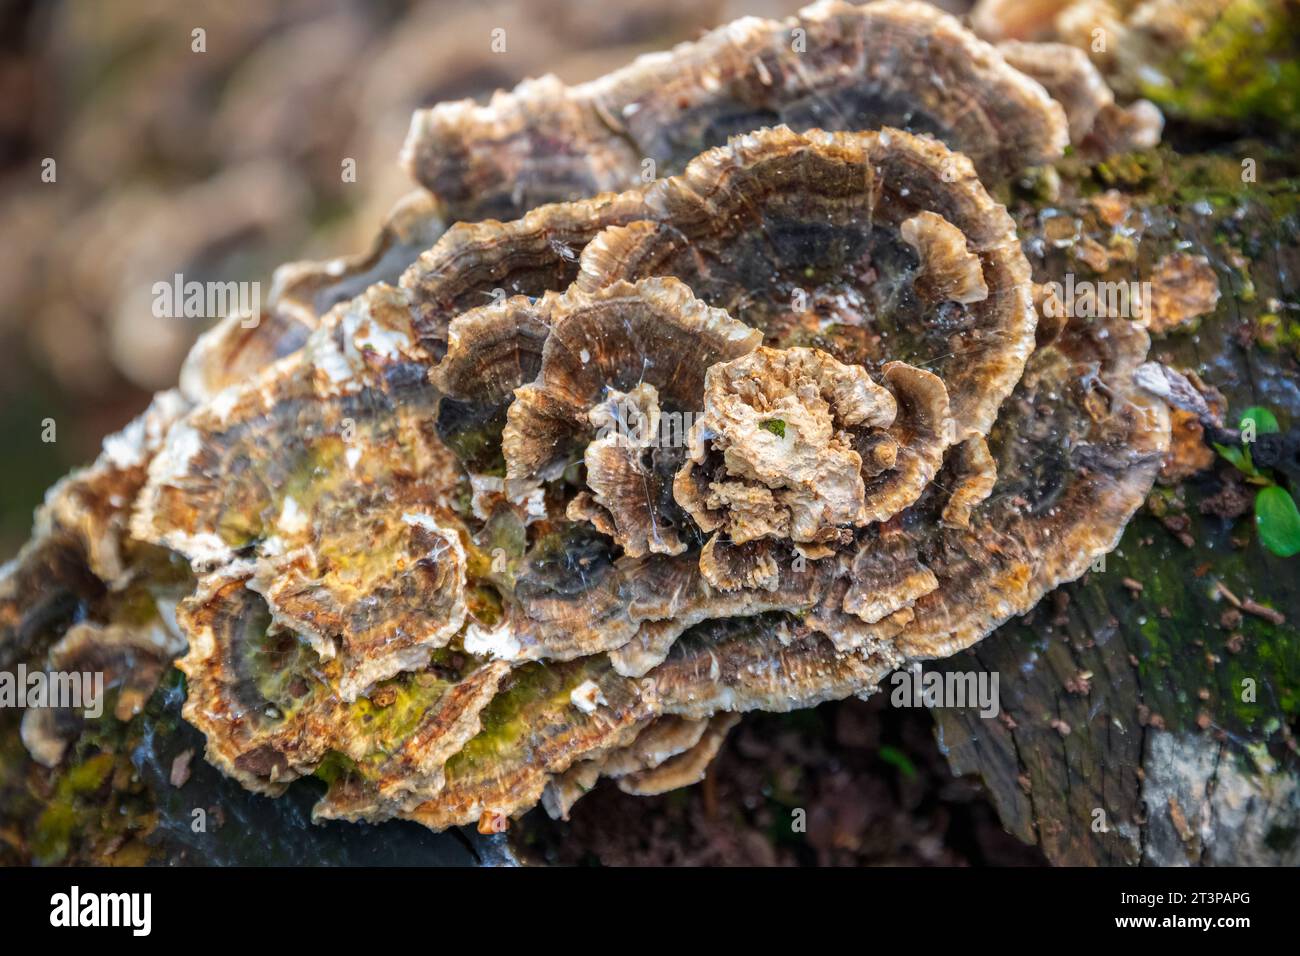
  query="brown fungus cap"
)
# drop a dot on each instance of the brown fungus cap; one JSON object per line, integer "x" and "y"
{"x": 81, "y": 532}
{"x": 662, "y": 740}
{"x": 492, "y": 350}
{"x": 949, "y": 271}
{"x": 784, "y": 230}
{"x": 1145, "y": 40}
{"x": 129, "y": 657}
{"x": 481, "y": 262}
{"x": 327, "y": 456}
{"x": 626, "y": 489}
{"x": 1076, "y": 450}
{"x": 272, "y": 712}
{"x": 1098, "y": 125}
{"x": 538, "y": 144}
{"x": 545, "y": 719}
{"x": 549, "y": 719}
{"x": 744, "y": 581}
{"x": 619, "y": 336}
{"x": 85, "y": 595}
{"x": 774, "y": 452}
{"x": 240, "y": 346}
{"x": 974, "y": 475}
{"x": 685, "y": 768}
{"x": 833, "y": 66}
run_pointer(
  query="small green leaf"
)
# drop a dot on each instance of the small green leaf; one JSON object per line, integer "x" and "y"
{"x": 892, "y": 755}
{"x": 774, "y": 425}
{"x": 1265, "y": 421}
{"x": 1278, "y": 521}
{"x": 1238, "y": 457}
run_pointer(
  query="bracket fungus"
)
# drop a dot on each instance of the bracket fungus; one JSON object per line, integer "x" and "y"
{"x": 835, "y": 66}
{"x": 465, "y": 529}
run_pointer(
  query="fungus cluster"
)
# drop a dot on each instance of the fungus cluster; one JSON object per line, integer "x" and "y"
{"x": 560, "y": 496}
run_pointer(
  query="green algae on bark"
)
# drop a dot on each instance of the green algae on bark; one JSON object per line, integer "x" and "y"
{"x": 1243, "y": 70}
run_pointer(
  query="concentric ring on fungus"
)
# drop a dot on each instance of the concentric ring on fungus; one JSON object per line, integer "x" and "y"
{"x": 833, "y": 66}
{"x": 273, "y": 713}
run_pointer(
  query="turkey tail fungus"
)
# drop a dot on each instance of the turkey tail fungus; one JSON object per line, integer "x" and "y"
{"x": 717, "y": 384}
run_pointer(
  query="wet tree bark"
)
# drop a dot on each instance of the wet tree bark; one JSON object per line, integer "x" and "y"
{"x": 1148, "y": 711}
